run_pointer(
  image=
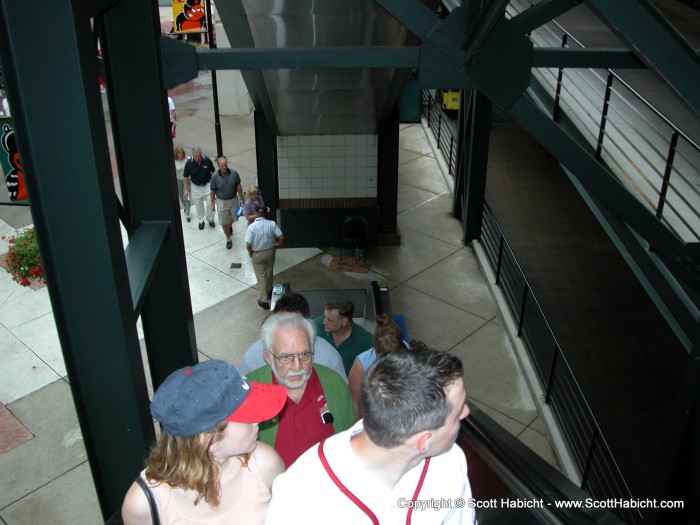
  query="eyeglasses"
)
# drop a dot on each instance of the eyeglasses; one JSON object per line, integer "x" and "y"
{"x": 286, "y": 359}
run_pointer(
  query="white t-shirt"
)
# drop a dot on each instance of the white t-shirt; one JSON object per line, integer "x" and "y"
{"x": 444, "y": 495}
{"x": 171, "y": 108}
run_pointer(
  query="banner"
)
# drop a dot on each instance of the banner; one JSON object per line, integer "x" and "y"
{"x": 189, "y": 16}
{"x": 10, "y": 163}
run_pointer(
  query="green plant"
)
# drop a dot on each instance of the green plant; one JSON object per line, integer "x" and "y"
{"x": 23, "y": 258}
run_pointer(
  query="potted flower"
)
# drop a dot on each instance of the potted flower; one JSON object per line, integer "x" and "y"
{"x": 23, "y": 260}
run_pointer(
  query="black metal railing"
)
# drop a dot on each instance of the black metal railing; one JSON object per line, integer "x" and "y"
{"x": 513, "y": 471}
{"x": 654, "y": 159}
{"x": 439, "y": 124}
{"x": 600, "y": 475}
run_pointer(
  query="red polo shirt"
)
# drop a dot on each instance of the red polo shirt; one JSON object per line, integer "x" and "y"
{"x": 301, "y": 425}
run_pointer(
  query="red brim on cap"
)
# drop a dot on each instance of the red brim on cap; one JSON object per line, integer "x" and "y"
{"x": 262, "y": 403}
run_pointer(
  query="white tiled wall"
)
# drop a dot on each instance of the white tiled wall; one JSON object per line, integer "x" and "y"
{"x": 327, "y": 166}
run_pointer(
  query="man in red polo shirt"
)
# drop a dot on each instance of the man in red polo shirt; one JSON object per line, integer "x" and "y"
{"x": 318, "y": 401}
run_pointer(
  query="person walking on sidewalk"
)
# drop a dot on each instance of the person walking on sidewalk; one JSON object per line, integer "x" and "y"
{"x": 226, "y": 194}
{"x": 199, "y": 168}
{"x": 180, "y": 161}
{"x": 262, "y": 238}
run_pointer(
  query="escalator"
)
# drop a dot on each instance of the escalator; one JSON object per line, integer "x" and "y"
{"x": 510, "y": 483}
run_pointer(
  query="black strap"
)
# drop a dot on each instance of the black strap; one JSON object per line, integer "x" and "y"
{"x": 151, "y": 500}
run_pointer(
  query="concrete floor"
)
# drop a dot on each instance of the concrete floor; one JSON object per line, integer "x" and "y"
{"x": 434, "y": 281}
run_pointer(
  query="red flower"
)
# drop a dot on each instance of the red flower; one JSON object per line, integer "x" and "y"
{"x": 23, "y": 258}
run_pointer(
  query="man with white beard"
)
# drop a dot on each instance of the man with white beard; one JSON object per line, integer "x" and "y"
{"x": 318, "y": 403}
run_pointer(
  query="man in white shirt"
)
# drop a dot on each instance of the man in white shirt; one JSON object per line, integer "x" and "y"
{"x": 399, "y": 464}
{"x": 262, "y": 238}
{"x": 173, "y": 116}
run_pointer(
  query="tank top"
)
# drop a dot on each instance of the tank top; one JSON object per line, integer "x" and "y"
{"x": 180, "y": 168}
{"x": 250, "y": 509}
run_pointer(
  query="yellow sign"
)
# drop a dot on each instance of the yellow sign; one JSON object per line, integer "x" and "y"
{"x": 189, "y": 16}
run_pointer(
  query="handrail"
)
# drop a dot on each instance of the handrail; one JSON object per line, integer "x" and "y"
{"x": 580, "y": 427}
{"x": 648, "y": 152}
{"x": 446, "y": 141}
{"x": 527, "y": 475}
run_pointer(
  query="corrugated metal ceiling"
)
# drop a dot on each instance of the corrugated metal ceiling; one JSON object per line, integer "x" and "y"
{"x": 319, "y": 101}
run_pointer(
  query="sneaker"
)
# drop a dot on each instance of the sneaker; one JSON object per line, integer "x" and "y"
{"x": 211, "y": 223}
{"x": 263, "y": 305}
{"x": 189, "y": 218}
{"x": 201, "y": 225}
{"x": 229, "y": 244}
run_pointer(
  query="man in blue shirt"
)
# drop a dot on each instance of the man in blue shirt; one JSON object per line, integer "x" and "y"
{"x": 199, "y": 168}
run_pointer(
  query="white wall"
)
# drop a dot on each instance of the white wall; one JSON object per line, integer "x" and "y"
{"x": 327, "y": 166}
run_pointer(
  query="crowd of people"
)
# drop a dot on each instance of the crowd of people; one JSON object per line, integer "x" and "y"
{"x": 244, "y": 444}
{"x": 218, "y": 191}
{"x": 357, "y": 422}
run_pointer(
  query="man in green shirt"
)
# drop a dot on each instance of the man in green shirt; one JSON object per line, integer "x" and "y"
{"x": 337, "y": 327}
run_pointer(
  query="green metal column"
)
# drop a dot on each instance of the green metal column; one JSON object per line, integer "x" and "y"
{"x": 138, "y": 110}
{"x": 266, "y": 156}
{"x": 388, "y": 173}
{"x": 460, "y": 185}
{"x": 51, "y": 75}
{"x": 476, "y": 164}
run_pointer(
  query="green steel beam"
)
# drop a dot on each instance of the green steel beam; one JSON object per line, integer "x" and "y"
{"x": 649, "y": 33}
{"x": 489, "y": 16}
{"x": 415, "y": 16}
{"x": 541, "y": 13}
{"x": 179, "y": 61}
{"x": 309, "y": 58}
{"x": 476, "y": 162}
{"x": 586, "y": 58}
{"x": 388, "y": 173}
{"x": 182, "y": 61}
{"x": 92, "y": 8}
{"x": 592, "y": 174}
{"x": 266, "y": 157}
{"x": 146, "y": 245}
{"x": 140, "y": 124}
{"x": 234, "y": 18}
{"x": 68, "y": 174}
{"x": 459, "y": 191}
{"x": 676, "y": 306}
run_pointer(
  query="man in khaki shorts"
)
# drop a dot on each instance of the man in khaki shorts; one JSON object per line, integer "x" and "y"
{"x": 226, "y": 193}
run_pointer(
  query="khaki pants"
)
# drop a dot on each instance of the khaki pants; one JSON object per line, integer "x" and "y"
{"x": 263, "y": 261}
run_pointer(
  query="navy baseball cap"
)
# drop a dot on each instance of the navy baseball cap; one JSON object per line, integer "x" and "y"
{"x": 196, "y": 398}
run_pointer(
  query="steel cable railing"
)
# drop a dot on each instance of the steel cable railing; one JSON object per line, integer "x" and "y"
{"x": 599, "y": 472}
{"x": 437, "y": 121}
{"x": 654, "y": 159}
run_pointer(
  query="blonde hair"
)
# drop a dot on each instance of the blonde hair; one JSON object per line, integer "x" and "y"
{"x": 252, "y": 189}
{"x": 185, "y": 462}
{"x": 179, "y": 149}
{"x": 387, "y": 335}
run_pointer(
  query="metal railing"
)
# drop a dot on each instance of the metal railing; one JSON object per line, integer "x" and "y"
{"x": 437, "y": 121}
{"x": 599, "y": 472}
{"x": 655, "y": 160}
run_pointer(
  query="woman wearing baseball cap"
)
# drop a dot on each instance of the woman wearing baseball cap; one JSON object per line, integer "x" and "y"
{"x": 207, "y": 466}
